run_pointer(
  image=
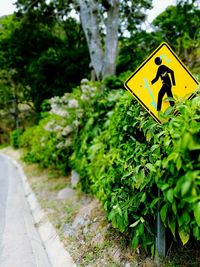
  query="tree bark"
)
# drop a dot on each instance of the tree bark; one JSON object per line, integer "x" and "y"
{"x": 91, "y": 26}
{"x": 103, "y": 53}
{"x": 111, "y": 42}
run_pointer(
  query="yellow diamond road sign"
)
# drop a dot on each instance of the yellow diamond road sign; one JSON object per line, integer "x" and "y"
{"x": 161, "y": 77}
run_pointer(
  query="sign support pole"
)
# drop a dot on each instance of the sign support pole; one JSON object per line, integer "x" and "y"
{"x": 161, "y": 236}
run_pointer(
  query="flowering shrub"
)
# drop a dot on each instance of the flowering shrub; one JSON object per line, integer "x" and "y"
{"x": 124, "y": 158}
{"x": 50, "y": 143}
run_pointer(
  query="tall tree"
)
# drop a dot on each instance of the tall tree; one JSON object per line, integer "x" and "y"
{"x": 102, "y": 21}
{"x": 49, "y": 56}
{"x": 179, "y": 25}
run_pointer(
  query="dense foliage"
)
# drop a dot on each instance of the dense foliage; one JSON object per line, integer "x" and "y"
{"x": 133, "y": 165}
{"x": 179, "y": 25}
{"x": 125, "y": 158}
{"x": 43, "y": 56}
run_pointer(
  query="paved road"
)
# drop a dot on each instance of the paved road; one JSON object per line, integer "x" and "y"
{"x": 20, "y": 243}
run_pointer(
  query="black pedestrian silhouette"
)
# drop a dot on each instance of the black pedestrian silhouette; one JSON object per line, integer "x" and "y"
{"x": 162, "y": 73}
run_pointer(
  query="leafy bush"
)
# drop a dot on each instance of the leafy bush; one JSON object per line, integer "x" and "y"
{"x": 178, "y": 175}
{"x": 15, "y": 138}
{"x": 50, "y": 143}
{"x": 43, "y": 147}
{"x": 132, "y": 164}
{"x": 126, "y": 158}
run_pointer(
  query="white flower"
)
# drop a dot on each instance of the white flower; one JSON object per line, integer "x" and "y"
{"x": 76, "y": 123}
{"x": 84, "y": 81}
{"x": 59, "y": 111}
{"x": 73, "y": 103}
{"x": 49, "y": 127}
{"x": 60, "y": 145}
{"x": 68, "y": 129}
{"x": 58, "y": 128}
{"x": 84, "y": 98}
{"x": 68, "y": 142}
{"x": 85, "y": 88}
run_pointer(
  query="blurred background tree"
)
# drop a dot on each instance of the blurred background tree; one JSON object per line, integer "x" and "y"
{"x": 179, "y": 26}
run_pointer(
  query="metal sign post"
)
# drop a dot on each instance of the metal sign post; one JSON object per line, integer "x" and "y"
{"x": 161, "y": 236}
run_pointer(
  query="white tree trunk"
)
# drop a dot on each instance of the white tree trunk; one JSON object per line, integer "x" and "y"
{"x": 91, "y": 27}
{"x": 103, "y": 53}
{"x": 111, "y": 42}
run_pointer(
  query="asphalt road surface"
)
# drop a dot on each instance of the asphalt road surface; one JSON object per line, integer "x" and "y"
{"x": 20, "y": 243}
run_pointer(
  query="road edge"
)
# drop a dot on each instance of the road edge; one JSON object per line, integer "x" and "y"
{"x": 56, "y": 252}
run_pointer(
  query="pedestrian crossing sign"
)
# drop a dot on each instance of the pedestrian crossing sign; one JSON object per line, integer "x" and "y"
{"x": 160, "y": 79}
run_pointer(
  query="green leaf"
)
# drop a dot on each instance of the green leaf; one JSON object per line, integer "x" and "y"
{"x": 173, "y": 156}
{"x": 184, "y": 236}
{"x": 191, "y": 199}
{"x": 154, "y": 202}
{"x": 179, "y": 163}
{"x": 170, "y": 195}
{"x": 164, "y": 187}
{"x": 140, "y": 178}
{"x": 197, "y": 212}
{"x": 174, "y": 208}
{"x": 186, "y": 140}
{"x": 149, "y": 136}
{"x": 185, "y": 187}
{"x": 184, "y": 219}
{"x": 168, "y": 111}
{"x": 150, "y": 167}
{"x": 163, "y": 212}
{"x": 152, "y": 249}
{"x": 154, "y": 147}
{"x": 135, "y": 223}
{"x": 196, "y": 232}
{"x": 172, "y": 226}
{"x": 135, "y": 241}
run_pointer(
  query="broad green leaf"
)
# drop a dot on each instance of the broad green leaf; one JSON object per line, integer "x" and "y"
{"x": 197, "y": 212}
{"x": 186, "y": 140}
{"x": 196, "y": 232}
{"x": 150, "y": 167}
{"x": 172, "y": 226}
{"x": 152, "y": 249}
{"x": 179, "y": 163}
{"x": 163, "y": 212}
{"x": 170, "y": 195}
{"x": 184, "y": 236}
{"x": 135, "y": 223}
{"x": 173, "y": 156}
{"x": 184, "y": 219}
{"x": 167, "y": 142}
{"x": 191, "y": 199}
{"x": 135, "y": 241}
{"x": 153, "y": 203}
{"x": 164, "y": 187}
{"x": 174, "y": 208}
{"x": 141, "y": 229}
{"x": 168, "y": 111}
{"x": 148, "y": 136}
{"x": 140, "y": 178}
{"x": 154, "y": 147}
{"x": 185, "y": 187}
